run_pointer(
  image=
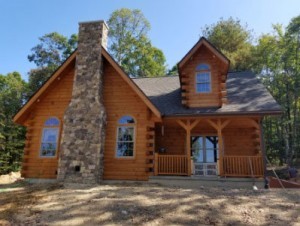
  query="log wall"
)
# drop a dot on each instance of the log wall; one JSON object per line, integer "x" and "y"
{"x": 52, "y": 104}
{"x": 190, "y": 97}
{"x": 239, "y": 137}
{"x": 121, "y": 100}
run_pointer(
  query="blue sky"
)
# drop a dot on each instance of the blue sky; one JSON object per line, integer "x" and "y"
{"x": 176, "y": 24}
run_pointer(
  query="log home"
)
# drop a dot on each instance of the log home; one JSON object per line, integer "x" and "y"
{"x": 91, "y": 121}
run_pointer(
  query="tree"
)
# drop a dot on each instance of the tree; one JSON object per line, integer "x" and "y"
{"x": 49, "y": 54}
{"x": 277, "y": 61}
{"x": 173, "y": 70}
{"x": 53, "y": 49}
{"x": 144, "y": 60}
{"x": 234, "y": 41}
{"x": 130, "y": 45}
{"x": 13, "y": 92}
{"x": 38, "y": 76}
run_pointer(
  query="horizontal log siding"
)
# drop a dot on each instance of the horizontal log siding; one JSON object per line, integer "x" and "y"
{"x": 194, "y": 99}
{"x": 239, "y": 142}
{"x": 119, "y": 100}
{"x": 52, "y": 104}
{"x": 173, "y": 139}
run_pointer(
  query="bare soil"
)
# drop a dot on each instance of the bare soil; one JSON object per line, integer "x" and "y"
{"x": 132, "y": 203}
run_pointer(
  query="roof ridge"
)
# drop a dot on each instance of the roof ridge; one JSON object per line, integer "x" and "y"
{"x": 174, "y": 76}
{"x": 165, "y": 76}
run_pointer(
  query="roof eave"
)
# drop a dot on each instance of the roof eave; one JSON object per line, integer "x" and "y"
{"x": 203, "y": 41}
{"x": 131, "y": 83}
{"x": 35, "y": 96}
{"x": 18, "y": 116}
{"x": 228, "y": 114}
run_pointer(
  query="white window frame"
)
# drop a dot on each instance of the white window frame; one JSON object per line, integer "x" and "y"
{"x": 203, "y": 137}
{"x": 199, "y": 72}
{"x": 57, "y": 129}
{"x": 128, "y": 125}
{"x": 206, "y": 164}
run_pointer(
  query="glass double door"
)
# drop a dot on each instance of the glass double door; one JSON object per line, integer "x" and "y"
{"x": 205, "y": 155}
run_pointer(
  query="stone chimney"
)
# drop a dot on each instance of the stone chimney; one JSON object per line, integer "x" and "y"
{"x": 82, "y": 142}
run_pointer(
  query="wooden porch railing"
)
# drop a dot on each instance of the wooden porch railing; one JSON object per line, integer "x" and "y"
{"x": 235, "y": 166}
{"x": 243, "y": 166}
{"x": 171, "y": 164}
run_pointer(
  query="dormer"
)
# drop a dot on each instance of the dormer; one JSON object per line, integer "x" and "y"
{"x": 203, "y": 73}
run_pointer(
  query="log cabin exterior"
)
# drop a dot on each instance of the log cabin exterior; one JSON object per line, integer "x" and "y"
{"x": 91, "y": 121}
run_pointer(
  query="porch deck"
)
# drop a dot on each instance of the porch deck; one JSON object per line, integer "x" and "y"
{"x": 232, "y": 166}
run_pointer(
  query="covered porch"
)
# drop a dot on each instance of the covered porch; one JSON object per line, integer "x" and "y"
{"x": 226, "y": 147}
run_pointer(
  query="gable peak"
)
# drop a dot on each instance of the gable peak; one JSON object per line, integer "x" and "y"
{"x": 204, "y": 42}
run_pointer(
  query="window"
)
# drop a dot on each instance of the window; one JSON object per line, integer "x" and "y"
{"x": 205, "y": 148}
{"x": 125, "y": 137}
{"x": 203, "y": 83}
{"x": 205, "y": 155}
{"x": 50, "y": 138}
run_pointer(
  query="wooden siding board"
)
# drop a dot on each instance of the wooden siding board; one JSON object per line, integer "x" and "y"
{"x": 119, "y": 100}
{"x": 237, "y": 136}
{"x": 194, "y": 99}
{"x": 52, "y": 103}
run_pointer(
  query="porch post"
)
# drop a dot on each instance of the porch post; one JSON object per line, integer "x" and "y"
{"x": 188, "y": 147}
{"x": 188, "y": 127}
{"x": 219, "y": 126}
{"x": 155, "y": 164}
{"x": 264, "y": 154}
{"x": 220, "y": 144}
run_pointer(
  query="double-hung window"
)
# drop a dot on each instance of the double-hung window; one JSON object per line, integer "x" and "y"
{"x": 125, "y": 137}
{"x": 50, "y": 138}
{"x": 203, "y": 79}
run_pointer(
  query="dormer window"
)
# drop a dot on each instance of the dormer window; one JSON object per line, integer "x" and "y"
{"x": 203, "y": 80}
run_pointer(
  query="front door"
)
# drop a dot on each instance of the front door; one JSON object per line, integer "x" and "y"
{"x": 204, "y": 155}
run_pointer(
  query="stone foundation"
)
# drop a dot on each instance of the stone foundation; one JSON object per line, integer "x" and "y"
{"x": 82, "y": 142}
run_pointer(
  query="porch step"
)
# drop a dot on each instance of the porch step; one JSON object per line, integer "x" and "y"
{"x": 208, "y": 178}
{"x": 210, "y": 182}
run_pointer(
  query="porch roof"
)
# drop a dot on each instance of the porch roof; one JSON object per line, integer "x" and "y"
{"x": 245, "y": 93}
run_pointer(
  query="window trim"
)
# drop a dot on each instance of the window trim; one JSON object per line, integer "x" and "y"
{"x": 216, "y": 157}
{"x": 57, "y": 138}
{"x": 196, "y": 83}
{"x": 127, "y": 125}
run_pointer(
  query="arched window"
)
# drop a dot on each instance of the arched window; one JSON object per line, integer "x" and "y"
{"x": 203, "y": 79}
{"x": 125, "y": 137}
{"x": 50, "y": 138}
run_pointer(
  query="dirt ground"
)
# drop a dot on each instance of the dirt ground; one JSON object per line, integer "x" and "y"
{"x": 132, "y": 203}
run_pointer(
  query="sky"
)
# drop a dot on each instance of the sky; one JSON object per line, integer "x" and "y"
{"x": 175, "y": 24}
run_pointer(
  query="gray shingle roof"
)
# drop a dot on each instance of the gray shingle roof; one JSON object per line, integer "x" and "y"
{"x": 245, "y": 93}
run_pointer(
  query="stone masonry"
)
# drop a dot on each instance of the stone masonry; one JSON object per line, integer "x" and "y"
{"x": 82, "y": 142}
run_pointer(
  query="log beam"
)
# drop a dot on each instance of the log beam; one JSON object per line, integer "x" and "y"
{"x": 219, "y": 126}
{"x": 188, "y": 126}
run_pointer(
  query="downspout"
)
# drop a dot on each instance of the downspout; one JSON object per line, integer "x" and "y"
{"x": 263, "y": 148}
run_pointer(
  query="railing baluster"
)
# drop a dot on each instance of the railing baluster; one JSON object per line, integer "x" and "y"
{"x": 240, "y": 165}
{"x": 233, "y": 165}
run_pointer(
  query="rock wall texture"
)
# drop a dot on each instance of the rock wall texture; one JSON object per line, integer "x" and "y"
{"x": 82, "y": 142}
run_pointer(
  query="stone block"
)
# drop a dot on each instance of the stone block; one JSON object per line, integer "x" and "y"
{"x": 84, "y": 129}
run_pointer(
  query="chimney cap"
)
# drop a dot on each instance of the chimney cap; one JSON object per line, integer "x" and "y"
{"x": 94, "y": 21}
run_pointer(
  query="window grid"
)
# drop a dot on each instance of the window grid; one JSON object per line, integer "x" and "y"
{"x": 125, "y": 137}
{"x": 203, "y": 79}
{"x": 49, "y": 141}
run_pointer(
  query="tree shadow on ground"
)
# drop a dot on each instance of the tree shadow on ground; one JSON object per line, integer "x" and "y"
{"x": 145, "y": 203}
